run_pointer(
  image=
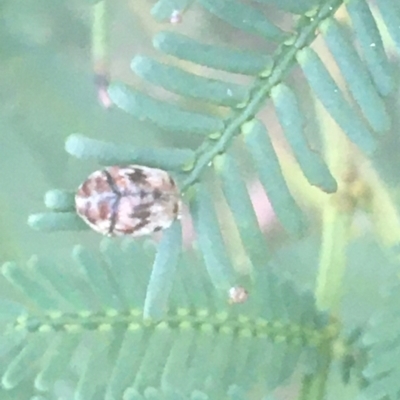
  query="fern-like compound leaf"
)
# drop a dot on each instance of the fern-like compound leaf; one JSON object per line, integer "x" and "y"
{"x": 204, "y": 347}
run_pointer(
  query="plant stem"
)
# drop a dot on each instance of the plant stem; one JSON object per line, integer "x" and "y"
{"x": 100, "y": 37}
{"x": 336, "y": 222}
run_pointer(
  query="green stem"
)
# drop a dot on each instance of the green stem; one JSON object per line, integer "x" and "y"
{"x": 100, "y": 37}
{"x": 335, "y": 237}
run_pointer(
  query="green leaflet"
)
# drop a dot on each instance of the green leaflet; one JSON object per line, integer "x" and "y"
{"x": 357, "y": 78}
{"x": 97, "y": 278}
{"x": 164, "y": 115}
{"x": 132, "y": 394}
{"x": 10, "y": 310}
{"x": 334, "y": 101}
{"x": 157, "y": 349}
{"x": 124, "y": 269}
{"x": 92, "y": 377}
{"x": 210, "y": 240}
{"x": 294, "y": 6}
{"x": 267, "y": 166}
{"x": 292, "y": 121}
{"x": 164, "y": 9}
{"x": 163, "y": 272}
{"x": 370, "y": 41}
{"x": 57, "y": 358}
{"x": 187, "y": 84}
{"x": 24, "y": 362}
{"x": 11, "y": 339}
{"x": 244, "y": 17}
{"x": 51, "y": 275}
{"x": 390, "y": 12}
{"x": 239, "y": 201}
{"x": 127, "y": 361}
{"x": 178, "y": 358}
{"x": 56, "y": 221}
{"x": 37, "y": 292}
{"x": 222, "y": 58}
{"x": 108, "y": 153}
{"x": 59, "y": 200}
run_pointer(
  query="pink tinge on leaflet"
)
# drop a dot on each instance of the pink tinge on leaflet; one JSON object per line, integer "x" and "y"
{"x": 104, "y": 98}
{"x": 176, "y": 17}
{"x": 264, "y": 212}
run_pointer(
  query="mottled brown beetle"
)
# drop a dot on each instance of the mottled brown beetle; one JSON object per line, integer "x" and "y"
{"x": 132, "y": 200}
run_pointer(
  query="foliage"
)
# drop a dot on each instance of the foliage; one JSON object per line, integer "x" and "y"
{"x": 136, "y": 319}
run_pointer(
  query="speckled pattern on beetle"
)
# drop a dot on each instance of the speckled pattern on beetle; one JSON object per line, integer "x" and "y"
{"x": 133, "y": 200}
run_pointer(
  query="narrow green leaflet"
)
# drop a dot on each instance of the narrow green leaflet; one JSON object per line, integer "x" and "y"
{"x": 292, "y": 121}
{"x": 189, "y": 85}
{"x": 108, "y": 153}
{"x": 96, "y": 367}
{"x": 178, "y": 359}
{"x": 24, "y": 362}
{"x": 210, "y": 239}
{"x": 222, "y": 58}
{"x": 152, "y": 363}
{"x": 294, "y": 6}
{"x": 38, "y": 293}
{"x": 370, "y": 41}
{"x": 56, "y": 221}
{"x": 132, "y": 348}
{"x": 162, "y": 114}
{"x": 57, "y": 357}
{"x": 244, "y": 17}
{"x": 334, "y": 101}
{"x": 97, "y": 278}
{"x": 357, "y": 77}
{"x": 390, "y": 11}
{"x": 269, "y": 172}
{"x": 123, "y": 270}
{"x": 59, "y": 200}
{"x": 238, "y": 199}
{"x": 163, "y": 273}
